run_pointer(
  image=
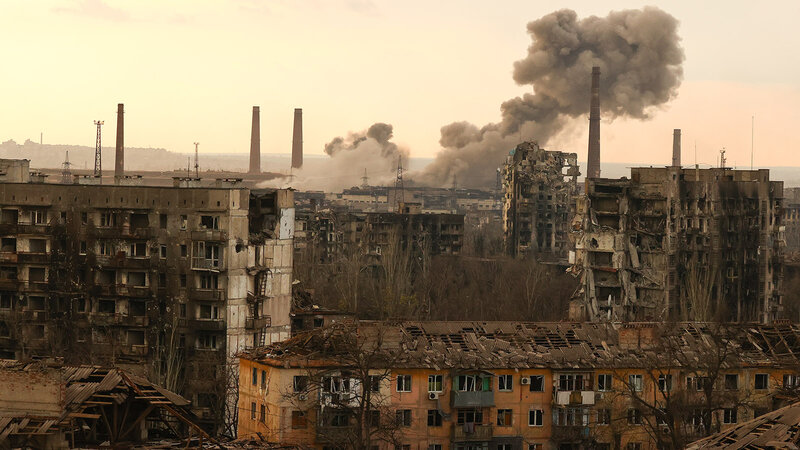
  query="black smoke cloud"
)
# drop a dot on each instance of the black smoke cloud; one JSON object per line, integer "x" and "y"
{"x": 639, "y": 55}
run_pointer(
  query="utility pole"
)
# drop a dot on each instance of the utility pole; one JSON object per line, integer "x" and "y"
{"x": 98, "y": 165}
{"x": 196, "y": 165}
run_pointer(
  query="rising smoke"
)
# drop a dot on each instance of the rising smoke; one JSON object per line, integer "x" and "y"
{"x": 371, "y": 149}
{"x": 640, "y": 58}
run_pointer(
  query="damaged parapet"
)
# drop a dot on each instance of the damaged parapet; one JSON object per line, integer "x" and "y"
{"x": 685, "y": 244}
{"x": 539, "y": 189}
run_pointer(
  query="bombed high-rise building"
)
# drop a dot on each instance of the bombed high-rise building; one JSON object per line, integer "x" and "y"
{"x": 686, "y": 244}
{"x": 539, "y": 188}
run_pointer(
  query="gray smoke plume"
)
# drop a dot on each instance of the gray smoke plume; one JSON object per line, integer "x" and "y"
{"x": 639, "y": 55}
{"x": 349, "y": 156}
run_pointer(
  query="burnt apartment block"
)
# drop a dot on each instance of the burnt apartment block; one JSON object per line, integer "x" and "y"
{"x": 166, "y": 282}
{"x": 686, "y": 244}
{"x": 539, "y": 188}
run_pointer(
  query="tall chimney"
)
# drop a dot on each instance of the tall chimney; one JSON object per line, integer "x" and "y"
{"x": 297, "y": 139}
{"x": 255, "y": 143}
{"x": 119, "y": 163}
{"x": 676, "y": 147}
{"x": 593, "y": 164}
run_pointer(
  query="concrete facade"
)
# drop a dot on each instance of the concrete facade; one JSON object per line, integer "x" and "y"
{"x": 166, "y": 282}
{"x": 688, "y": 244}
{"x": 539, "y": 189}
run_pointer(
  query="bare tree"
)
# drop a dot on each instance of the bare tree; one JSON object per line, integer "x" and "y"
{"x": 352, "y": 408}
{"x": 685, "y": 384}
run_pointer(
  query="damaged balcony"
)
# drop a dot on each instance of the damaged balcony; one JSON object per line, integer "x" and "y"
{"x": 472, "y": 391}
{"x": 472, "y": 432}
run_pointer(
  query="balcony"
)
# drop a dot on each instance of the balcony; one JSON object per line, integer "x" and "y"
{"x": 33, "y": 258}
{"x": 569, "y": 433}
{"x": 7, "y": 284}
{"x": 141, "y": 233}
{"x": 33, "y": 229}
{"x": 573, "y": 397}
{"x": 33, "y": 316}
{"x": 470, "y": 399}
{"x": 139, "y": 291}
{"x": 208, "y": 295}
{"x": 36, "y": 286}
{"x": 207, "y": 324}
{"x": 206, "y": 264}
{"x": 209, "y": 235}
{"x": 472, "y": 432}
{"x": 257, "y": 324}
{"x": 8, "y": 257}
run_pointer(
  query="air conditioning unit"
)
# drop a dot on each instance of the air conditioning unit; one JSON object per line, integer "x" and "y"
{"x": 302, "y": 397}
{"x": 525, "y": 380}
{"x": 433, "y": 395}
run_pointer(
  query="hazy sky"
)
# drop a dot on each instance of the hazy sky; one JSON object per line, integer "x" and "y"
{"x": 192, "y": 70}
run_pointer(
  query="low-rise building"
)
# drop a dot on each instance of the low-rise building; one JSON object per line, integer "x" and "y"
{"x": 514, "y": 385}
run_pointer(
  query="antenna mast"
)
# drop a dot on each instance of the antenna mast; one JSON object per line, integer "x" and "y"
{"x": 66, "y": 174}
{"x": 196, "y": 165}
{"x": 399, "y": 189}
{"x": 752, "y": 139}
{"x": 722, "y": 159}
{"x": 365, "y": 179}
{"x": 98, "y": 164}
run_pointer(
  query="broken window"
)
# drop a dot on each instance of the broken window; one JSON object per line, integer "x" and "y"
{"x": 106, "y": 248}
{"x": 665, "y": 382}
{"x": 299, "y": 420}
{"x": 300, "y": 383}
{"x": 207, "y": 341}
{"x": 469, "y": 416}
{"x": 504, "y": 417}
{"x": 731, "y": 381}
{"x": 135, "y": 337}
{"x": 537, "y": 383}
{"x": 6, "y": 300}
{"x": 206, "y": 255}
{"x": 108, "y": 219}
{"x": 137, "y": 308}
{"x": 535, "y": 418}
{"x": 635, "y": 383}
{"x": 139, "y": 221}
{"x": 36, "y": 332}
{"x": 209, "y": 222}
{"x": 137, "y": 279}
{"x": 106, "y": 278}
{"x": 634, "y": 416}
{"x": 184, "y": 222}
{"x": 8, "y": 245}
{"x": 107, "y": 306}
{"x": 570, "y": 382}
{"x": 36, "y": 274}
{"x": 604, "y": 382}
{"x": 209, "y": 281}
{"x": 36, "y": 303}
{"x": 138, "y": 249}
{"x": 208, "y": 312}
{"x": 403, "y": 417}
{"x": 184, "y": 250}
{"x": 504, "y": 383}
{"x": 163, "y": 251}
{"x": 434, "y": 418}
{"x": 8, "y": 273}
{"x": 38, "y": 245}
{"x": 9, "y": 216}
{"x": 162, "y": 221}
{"x": 762, "y": 381}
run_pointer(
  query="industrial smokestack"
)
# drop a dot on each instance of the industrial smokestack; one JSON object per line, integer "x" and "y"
{"x": 676, "y": 147}
{"x": 119, "y": 163}
{"x": 593, "y": 164}
{"x": 297, "y": 139}
{"x": 255, "y": 143}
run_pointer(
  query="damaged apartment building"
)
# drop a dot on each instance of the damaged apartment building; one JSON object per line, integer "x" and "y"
{"x": 539, "y": 201}
{"x": 681, "y": 243}
{"x": 167, "y": 282}
{"x": 330, "y": 233}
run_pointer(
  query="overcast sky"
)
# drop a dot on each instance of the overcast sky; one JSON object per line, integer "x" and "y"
{"x": 192, "y": 70}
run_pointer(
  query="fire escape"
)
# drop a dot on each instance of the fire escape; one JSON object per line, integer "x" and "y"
{"x": 255, "y": 300}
